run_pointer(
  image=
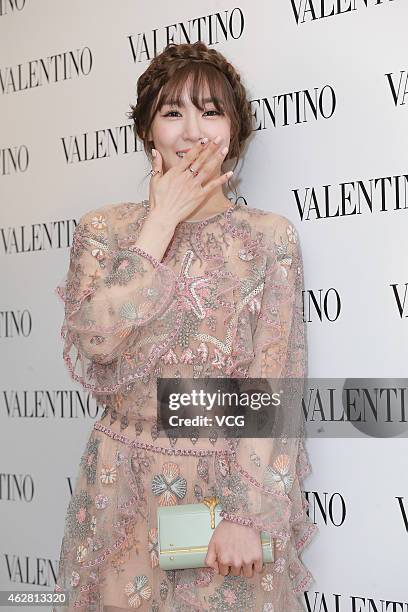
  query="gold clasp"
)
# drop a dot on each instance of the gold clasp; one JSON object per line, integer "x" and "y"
{"x": 211, "y": 502}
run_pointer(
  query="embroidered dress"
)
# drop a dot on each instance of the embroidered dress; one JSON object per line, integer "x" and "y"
{"x": 225, "y": 301}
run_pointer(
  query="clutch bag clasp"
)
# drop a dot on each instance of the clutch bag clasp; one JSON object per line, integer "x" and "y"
{"x": 211, "y": 502}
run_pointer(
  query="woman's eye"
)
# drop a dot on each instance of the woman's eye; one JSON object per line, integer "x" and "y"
{"x": 171, "y": 113}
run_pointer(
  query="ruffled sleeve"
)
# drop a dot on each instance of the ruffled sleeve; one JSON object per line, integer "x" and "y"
{"x": 112, "y": 289}
{"x": 262, "y": 489}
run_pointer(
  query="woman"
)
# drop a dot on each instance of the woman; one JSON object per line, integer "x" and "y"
{"x": 183, "y": 285}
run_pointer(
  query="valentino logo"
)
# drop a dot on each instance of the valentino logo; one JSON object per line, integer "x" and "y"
{"x": 30, "y": 570}
{"x": 9, "y": 6}
{"x": 349, "y": 407}
{"x": 334, "y": 602}
{"x": 294, "y": 107}
{"x": 211, "y": 29}
{"x": 404, "y": 511}
{"x": 70, "y": 483}
{"x": 49, "y": 404}
{"x": 401, "y": 300}
{"x": 382, "y": 194}
{"x": 326, "y": 304}
{"x": 399, "y": 87}
{"x": 52, "y": 69}
{"x": 13, "y": 160}
{"x": 15, "y": 323}
{"x": 310, "y": 10}
{"x": 331, "y": 508}
{"x": 37, "y": 237}
{"x": 118, "y": 140}
{"x": 16, "y": 487}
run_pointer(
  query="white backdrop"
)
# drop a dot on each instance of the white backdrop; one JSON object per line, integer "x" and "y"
{"x": 349, "y": 55}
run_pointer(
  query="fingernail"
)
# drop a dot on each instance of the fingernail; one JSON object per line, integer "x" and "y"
{"x": 217, "y": 139}
{"x": 154, "y": 152}
{"x": 224, "y": 150}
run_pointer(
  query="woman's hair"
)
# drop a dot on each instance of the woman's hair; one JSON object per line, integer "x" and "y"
{"x": 167, "y": 75}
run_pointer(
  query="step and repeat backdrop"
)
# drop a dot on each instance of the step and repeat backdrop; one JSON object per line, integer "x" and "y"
{"x": 328, "y": 84}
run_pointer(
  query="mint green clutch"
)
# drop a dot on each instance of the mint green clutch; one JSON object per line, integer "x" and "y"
{"x": 184, "y": 532}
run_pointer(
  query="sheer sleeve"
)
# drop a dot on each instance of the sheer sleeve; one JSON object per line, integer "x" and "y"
{"x": 111, "y": 290}
{"x": 264, "y": 489}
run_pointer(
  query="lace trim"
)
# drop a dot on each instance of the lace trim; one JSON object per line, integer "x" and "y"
{"x": 280, "y": 494}
{"x": 197, "y": 452}
{"x": 141, "y": 372}
{"x": 305, "y": 584}
{"x": 305, "y": 539}
{"x": 283, "y": 534}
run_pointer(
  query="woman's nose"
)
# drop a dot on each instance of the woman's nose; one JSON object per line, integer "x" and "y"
{"x": 193, "y": 129}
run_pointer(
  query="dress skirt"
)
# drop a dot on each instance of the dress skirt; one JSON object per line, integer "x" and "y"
{"x": 109, "y": 553}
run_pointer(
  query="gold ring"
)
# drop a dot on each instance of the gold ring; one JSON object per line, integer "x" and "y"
{"x": 192, "y": 170}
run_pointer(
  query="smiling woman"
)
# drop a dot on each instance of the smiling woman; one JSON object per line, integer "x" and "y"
{"x": 153, "y": 293}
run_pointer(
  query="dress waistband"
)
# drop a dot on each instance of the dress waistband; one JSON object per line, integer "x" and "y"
{"x": 198, "y": 452}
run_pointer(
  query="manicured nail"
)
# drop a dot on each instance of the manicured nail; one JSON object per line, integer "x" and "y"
{"x": 230, "y": 173}
{"x": 154, "y": 152}
{"x": 217, "y": 139}
{"x": 224, "y": 151}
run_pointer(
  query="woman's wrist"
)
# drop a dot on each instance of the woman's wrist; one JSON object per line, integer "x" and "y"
{"x": 155, "y": 236}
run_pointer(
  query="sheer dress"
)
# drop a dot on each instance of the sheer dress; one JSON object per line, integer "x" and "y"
{"x": 225, "y": 301}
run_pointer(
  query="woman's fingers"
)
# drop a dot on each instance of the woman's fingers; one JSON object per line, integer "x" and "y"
{"x": 220, "y": 180}
{"x": 200, "y": 156}
{"x": 192, "y": 155}
{"x": 224, "y": 569}
{"x": 211, "y": 558}
{"x": 247, "y": 570}
{"x": 212, "y": 157}
{"x": 157, "y": 164}
{"x": 235, "y": 570}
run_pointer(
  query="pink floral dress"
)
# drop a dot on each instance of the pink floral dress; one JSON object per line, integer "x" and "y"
{"x": 225, "y": 301}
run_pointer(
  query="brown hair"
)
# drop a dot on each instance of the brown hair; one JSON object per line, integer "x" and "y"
{"x": 170, "y": 70}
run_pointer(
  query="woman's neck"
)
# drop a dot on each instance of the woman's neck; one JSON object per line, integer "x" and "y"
{"x": 216, "y": 202}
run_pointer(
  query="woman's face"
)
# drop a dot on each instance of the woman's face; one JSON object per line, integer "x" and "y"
{"x": 179, "y": 128}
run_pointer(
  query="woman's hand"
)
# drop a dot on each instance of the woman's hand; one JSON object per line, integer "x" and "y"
{"x": 176, "y": 194}
{"x": 237, "y": 546}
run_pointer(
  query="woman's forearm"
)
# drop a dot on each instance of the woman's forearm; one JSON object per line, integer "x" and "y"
{"x": 155, "y": 235}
